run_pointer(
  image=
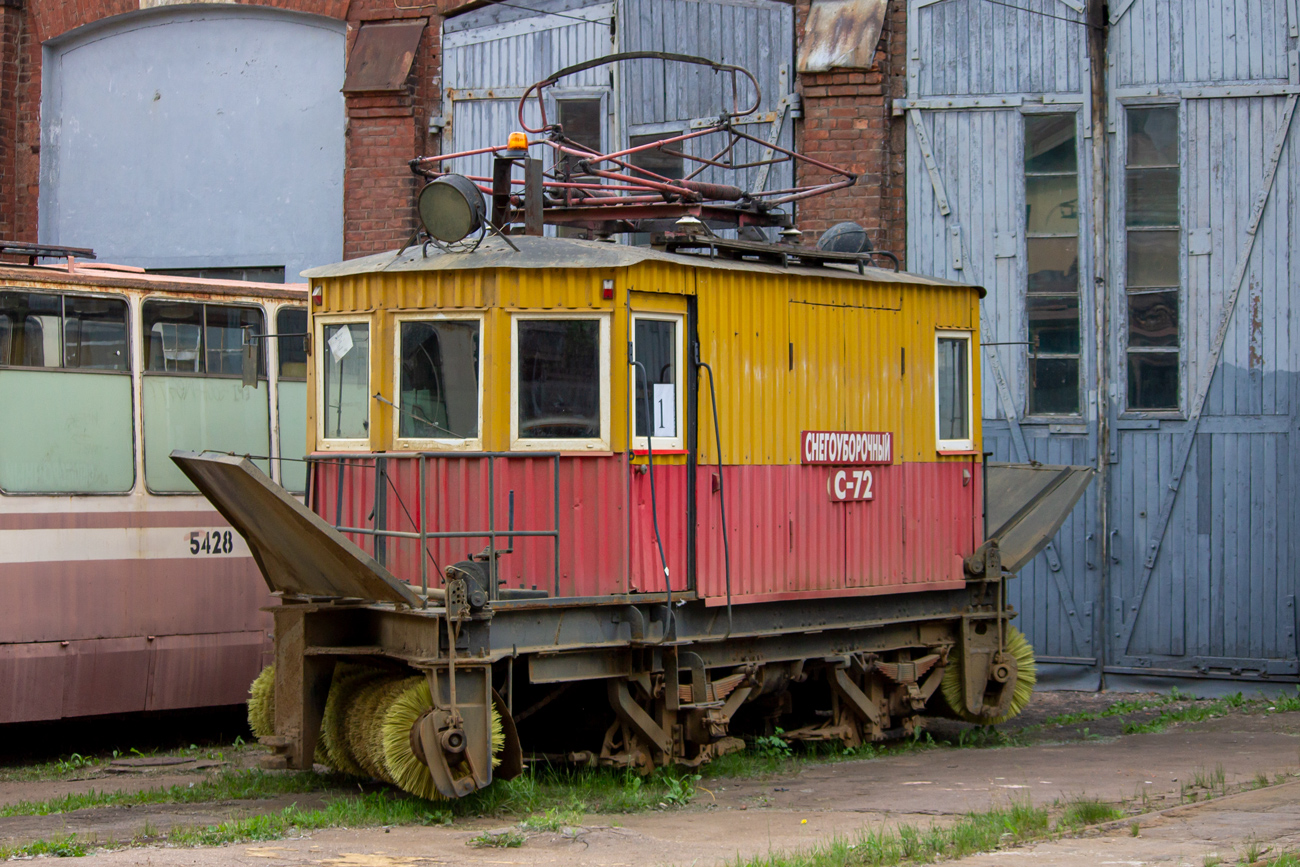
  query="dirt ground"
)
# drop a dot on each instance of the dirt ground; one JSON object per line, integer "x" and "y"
{"x": 750, "y": 817}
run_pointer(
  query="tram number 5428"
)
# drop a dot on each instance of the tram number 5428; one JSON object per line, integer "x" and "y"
{"x": 846, "y": 485}
{"x": 212, "y": 542}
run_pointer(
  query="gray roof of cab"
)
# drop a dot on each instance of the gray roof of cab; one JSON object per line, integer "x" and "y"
{"x": 537, "y": 252}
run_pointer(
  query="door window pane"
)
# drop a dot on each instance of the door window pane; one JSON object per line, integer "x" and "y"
{"x": 95, "y": 333}
{"x": 582, "y": 124}
{"x": 1053, "y": 324}
{"x": 1050, "y": 144}
{"x": 1153, "y": 319}
{"x": 1052, "y": 204}
{"x": 293, "y": 350}
{"x": 1153, "y": 380}
{"x": 1153, "y": 136}
{"x": 439, "y": 380}
{"x": 1152, "y": 197}
{"x": 655, "y": 160}
{"x": 656, "y": 350}
{"x": 954, "y": 390}
{"x": 1152, "y": 259}
{"x": 1053, "y": 265}
{"x": 559, "y": 378}
{"x": 1056, "y": 386}
{"x": 346, "y": 381}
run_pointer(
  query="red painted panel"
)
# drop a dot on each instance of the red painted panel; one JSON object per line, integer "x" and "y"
{"x": 195, "y": 670}
{"x": 27, "y": 672}
{"x": 108, "y": 676}
{"x": 671, "y": 498}
{"x": 788, "y": 538}
{"x": 592, "y": 520}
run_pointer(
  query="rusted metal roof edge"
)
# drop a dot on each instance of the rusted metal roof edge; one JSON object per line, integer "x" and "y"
{"x": 88, "y": 276}
{"x": 558, "y": 253}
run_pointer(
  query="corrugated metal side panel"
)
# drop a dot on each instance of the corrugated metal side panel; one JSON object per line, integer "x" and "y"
{"x": 772, "y": 356}
{"x": 786, "y": 535}
{"x": 1158, "y": 41}
{"x": 970, "y": 47}
{"x": 592, "y": 520}
{"x": 671, "y": 495}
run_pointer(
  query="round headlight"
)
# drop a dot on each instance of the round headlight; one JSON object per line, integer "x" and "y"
{"x": 451, "y": 208}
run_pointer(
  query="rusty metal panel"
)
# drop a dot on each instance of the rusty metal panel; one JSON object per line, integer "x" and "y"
{"x": 382, "y": 55}
{"x": 1028, "y": 503}
{"x": 194, "y": 670}
{"x": 841, "y": 34}
{"x": 27, "y": 672}
{"x": 110, "y": 675}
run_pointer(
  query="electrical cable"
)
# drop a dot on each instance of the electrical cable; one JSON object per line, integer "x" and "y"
{"x": 722, "y": 494}
{"x": 654, "y": 507}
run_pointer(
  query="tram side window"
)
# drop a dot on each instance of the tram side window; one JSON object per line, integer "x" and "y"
{"x": 439, "y": 380}
{"x": 291, "y": 396}
{"x": 64, "y": 360}
{"x": 558, "y": 379}
{"x": 345, "y": 383}
{"x": 193, "y": 396}
{"x": 953, "y": 398}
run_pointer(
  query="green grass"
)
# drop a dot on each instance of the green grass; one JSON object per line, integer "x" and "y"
{"x": 502, "y": 840}
{"x": 64, "y": 847}
{"x": 1082, "y": 811}
{"x": 226, "y": 786}
{"x": 976, "y": 832}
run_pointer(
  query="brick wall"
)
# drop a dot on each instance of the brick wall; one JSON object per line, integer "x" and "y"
{"x": 848, "y": 122}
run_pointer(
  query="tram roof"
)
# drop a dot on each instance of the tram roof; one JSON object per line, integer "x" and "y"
{"x": 535, "y": 252}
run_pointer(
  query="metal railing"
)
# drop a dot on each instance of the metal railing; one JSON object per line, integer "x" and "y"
{"x": 378, "y": 464}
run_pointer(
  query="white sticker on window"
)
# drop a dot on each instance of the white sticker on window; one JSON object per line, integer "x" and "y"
{"x": 665, "y": 409}
{"x": 341, "y": 343}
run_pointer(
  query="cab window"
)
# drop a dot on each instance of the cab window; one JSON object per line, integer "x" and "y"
{"x": 439, "y": 380}
{"x": 345, "y": 381}
{"x": 561, "y": 381}
{"x": 657, "y": 394}
{"x": 953, "y": 386}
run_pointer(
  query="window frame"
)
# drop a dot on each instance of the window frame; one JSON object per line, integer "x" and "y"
{"x": 61, "y": 294}
{"x": 274, "y": 337}
{"x": 948, "y": 446}
{"x": 132, "y": 369}
{"x": 1082, "y": 255}
{"x": 474, "y": 444}
{"x": 1120, "y": 253}
{"x": 264, "y": 357}
{"x": 673, "y": 443}
{"x": 318, "y": 322}
{"x": 587, "y": 444}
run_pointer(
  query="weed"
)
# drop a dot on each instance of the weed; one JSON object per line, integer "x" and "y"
{"x": 1083, "y": 810}
{"x": 773, "y": 746}
{"x": 680, "y": 790}
{"x": 1211, "y": 861}
{"x": 1254, "y": 851}
{"x": 499, "y": 840}
{"x": 1261, "y": 780}
{"x": 553, "y": 820}
{"x": 1135, "y": 830}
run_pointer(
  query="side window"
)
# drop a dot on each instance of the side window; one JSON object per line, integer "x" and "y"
{"x": 439, "y": 380}
{"x": 194, "y": 338}
{"x": 657, "y": 384}
{"x": 291, "y": 396}
{"x": 345, "y": 381}
{"x": 1052, "y": 245}
{"x": 953, "y": 391}
{"x": 193, "y": 397}
{"x": 560, "y": 382}
{"x": 65, "y": 360}
{"x": 293, "y": 350}
{"x": 1153, "y": 231}
{"x": 583, "y": 123}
